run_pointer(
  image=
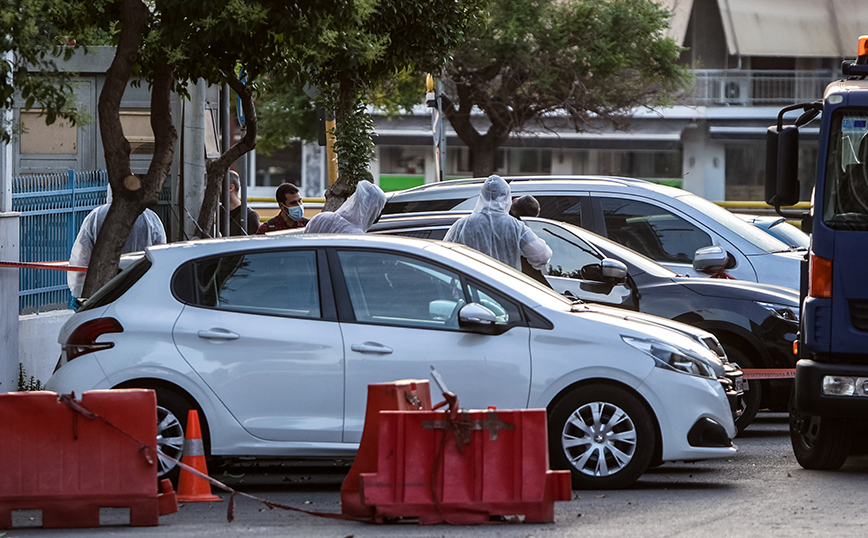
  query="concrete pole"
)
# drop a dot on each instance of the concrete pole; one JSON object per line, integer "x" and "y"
{"x": 193, "y": 163}
{"x": 9, "y": 245}
{"x": 225, "y": 144}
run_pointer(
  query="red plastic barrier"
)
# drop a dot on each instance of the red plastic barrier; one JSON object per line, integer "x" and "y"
{"x": 491, "y": 463}
{"x": 69, "y": 466}
{"x": 403, "y": 395}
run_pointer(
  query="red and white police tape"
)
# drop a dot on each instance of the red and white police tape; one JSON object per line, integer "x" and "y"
{"x": 53, "y": 266}
{"x": 769, "y": 373}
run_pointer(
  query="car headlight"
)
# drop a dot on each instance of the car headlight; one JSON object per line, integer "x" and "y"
{"x": 673, "y": 357}
{"x": 780, "y": 311}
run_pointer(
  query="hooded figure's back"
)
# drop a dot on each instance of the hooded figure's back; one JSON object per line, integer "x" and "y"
{"x": 355, "y": 216}
{"x": 490, "y": 229}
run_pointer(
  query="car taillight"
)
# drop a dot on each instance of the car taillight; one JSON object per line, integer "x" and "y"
{"x": 83, "y": 338}
{"x": 820, "y": 281}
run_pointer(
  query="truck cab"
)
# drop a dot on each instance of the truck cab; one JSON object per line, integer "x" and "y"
{"x": 830, "y": 401}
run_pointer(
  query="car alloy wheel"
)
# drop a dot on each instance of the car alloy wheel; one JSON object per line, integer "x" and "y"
{"x": 599, "y": 439}
{"x": 603, "y": 434}
{"x": 170, "y": 440}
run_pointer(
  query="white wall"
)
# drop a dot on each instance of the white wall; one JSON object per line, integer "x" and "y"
{"x": 38, "y": 349}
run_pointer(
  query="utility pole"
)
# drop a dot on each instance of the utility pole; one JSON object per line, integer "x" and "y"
{"x": 436, "y": 104}
{"x": 9, "y": 245}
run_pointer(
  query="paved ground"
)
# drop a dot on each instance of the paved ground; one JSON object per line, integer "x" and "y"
{"x": 760, "y": 492}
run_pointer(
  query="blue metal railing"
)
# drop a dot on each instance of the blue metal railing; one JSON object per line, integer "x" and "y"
{"x": 52, "y": 207}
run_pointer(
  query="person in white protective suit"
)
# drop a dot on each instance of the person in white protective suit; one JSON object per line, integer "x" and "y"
{"x": 148, "y": 230}
{"x": 490, "y": 229}
{"x": 355, "y": 216}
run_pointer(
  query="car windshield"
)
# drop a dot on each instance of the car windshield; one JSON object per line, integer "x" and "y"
{"x": 725, "y": 218}
{"x": 626, "y": 255}
{"x": 846, "y": 203}
{"x": 791, "y": 235}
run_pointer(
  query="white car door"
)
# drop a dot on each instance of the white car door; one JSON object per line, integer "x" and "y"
{"x": 258, "y": 336}
{"x": 404, "y": 319}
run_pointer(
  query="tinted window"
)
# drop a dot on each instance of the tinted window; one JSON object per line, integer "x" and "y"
{"x": 118, "y": 285}
{"x": 420, "y": 205}
{"x": 276, "y": 283}
{"x": 569, "y": 253}
{"x": 562, "y": 208}
{"x": 399, "y": 290}
{"x": 651, "y": 230}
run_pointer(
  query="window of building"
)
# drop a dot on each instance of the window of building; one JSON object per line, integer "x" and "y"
{"x": 137, "y": 130}
{"x": 405, "y": 160}
{"x": 37, "y": 138}
{"x": 653, "y": 165}
{"x": 746, "y": 170}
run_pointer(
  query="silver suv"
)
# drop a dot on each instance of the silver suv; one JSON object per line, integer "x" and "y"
{"x": 664, "y": 223}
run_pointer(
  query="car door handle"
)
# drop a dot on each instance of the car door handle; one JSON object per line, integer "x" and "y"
{"x": 371, "y": 347}
{"x": 218, "y": 334}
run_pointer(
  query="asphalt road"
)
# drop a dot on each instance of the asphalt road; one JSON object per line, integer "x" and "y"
{"x": 760, "y": 492}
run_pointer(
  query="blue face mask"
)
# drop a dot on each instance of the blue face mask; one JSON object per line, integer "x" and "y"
{"x": 296, "y": 212}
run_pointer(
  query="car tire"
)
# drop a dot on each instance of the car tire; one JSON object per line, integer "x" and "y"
{"x": 172, "y": 410}
{"x": 820, "y": 443}
{"x": 622, "y": 430}
{"x": 753, "y": 396}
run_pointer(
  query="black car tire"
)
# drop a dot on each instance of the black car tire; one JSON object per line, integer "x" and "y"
{"x": 820, "y": 443}
{"x": 753, "y": 396}
{"x": 172, "y": 411}
{"x": 573, "y": 449}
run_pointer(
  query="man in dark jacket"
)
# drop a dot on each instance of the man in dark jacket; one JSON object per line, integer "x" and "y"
{"x": 235, "y": 210}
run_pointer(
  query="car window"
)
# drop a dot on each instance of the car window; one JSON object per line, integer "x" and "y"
{"x": 118, "y": 285}
{"x": 283, "y": 283}
{"x": 420, "y": 205}
{"x": 393, "y": 289}
{"x": 569, "y": 253}
{"x": 651, "y": 230}
{"x": 562, "y": 208}
{"x": 506, "y": 311}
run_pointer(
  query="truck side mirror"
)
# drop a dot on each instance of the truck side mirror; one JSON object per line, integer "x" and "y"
{"x": 782, "y": 166}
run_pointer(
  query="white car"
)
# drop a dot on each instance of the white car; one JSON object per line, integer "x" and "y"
{"x": 665, "y": 224}
{"x": 274, "y": 340}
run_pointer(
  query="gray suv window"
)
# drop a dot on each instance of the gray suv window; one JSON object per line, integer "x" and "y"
{"x": 651, "y": 230}
{"x": 562, "y": 208}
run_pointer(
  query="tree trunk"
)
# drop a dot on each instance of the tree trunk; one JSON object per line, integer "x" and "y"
{"x": 483, "y": 148}
{"x": 126, "y": 207}
{"x": 345, "y": 185}
{"x": 215, "y": 171}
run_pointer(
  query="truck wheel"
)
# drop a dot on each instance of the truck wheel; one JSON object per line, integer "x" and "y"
{"x": 603, "y": 435}
{"x": 754, "y": 393}
{"x": 820, "y": 443}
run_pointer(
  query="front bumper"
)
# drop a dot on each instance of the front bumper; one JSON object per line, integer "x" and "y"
{"x": 733, "y": 385}
{"x": 810, "y": 399}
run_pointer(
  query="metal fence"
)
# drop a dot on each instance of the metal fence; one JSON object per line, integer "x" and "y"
{"x": 52, "y": 208}
{"x": 721, "y": 87}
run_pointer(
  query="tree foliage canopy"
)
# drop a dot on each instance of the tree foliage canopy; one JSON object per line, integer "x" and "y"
{"x": 540, "y": 60}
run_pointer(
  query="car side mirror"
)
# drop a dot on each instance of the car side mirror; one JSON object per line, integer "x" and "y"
{"x": 614, "y": 270}
{"x": 477, "y": 318}
{"x": 710, "y": 259}
{"x": 608, "y": 271}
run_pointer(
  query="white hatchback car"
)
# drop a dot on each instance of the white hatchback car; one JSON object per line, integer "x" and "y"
{"x": 665, "y": 224}
{"x": 274, "y": 340}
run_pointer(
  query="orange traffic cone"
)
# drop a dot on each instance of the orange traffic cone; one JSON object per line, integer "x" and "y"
{"x": 192, "y": 488}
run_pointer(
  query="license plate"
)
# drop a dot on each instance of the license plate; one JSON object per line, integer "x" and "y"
{"x": 739, "y": 384}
